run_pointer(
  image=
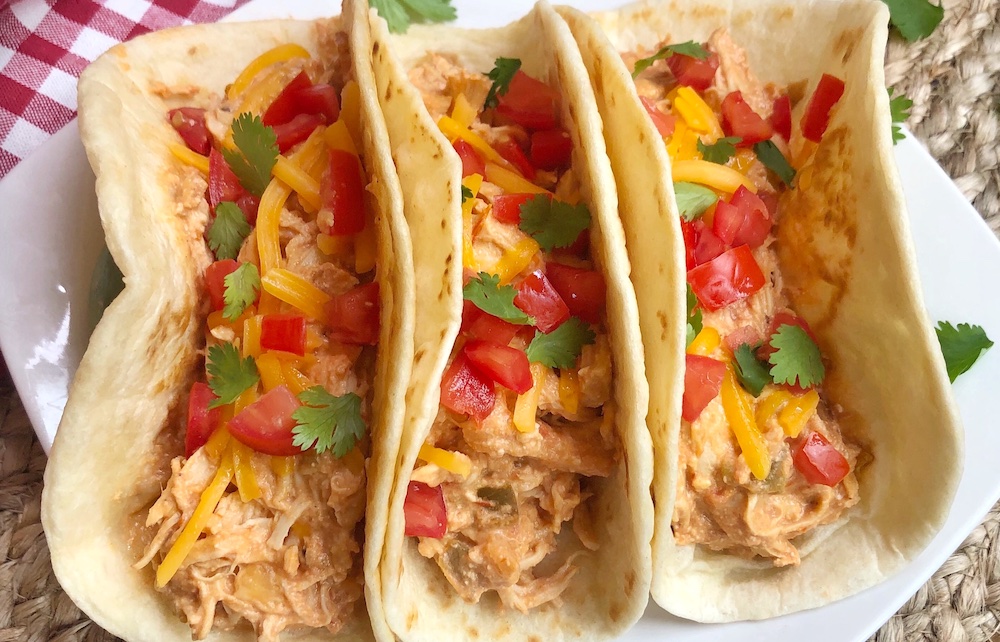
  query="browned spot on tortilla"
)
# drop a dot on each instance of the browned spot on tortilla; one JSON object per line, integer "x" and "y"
{"x": 375, "y": 47}
{"x": 444, "y": 224}
{"x": 662, "y": 316}
{"x": 797, "y": 91}
{"x": 388, "y": 91}
{"x": 473, "y": 632}
{"x": 784, "y": 13}
{"x": 616, "y": 611}
{"x": 411, "y": 619}
{"x": 534, "y": 638}
{"x": 419, "y": 354}
{"x": 845, "y": 43}
{"x": 629, "y": 583}
{"x": 817, "y": 229}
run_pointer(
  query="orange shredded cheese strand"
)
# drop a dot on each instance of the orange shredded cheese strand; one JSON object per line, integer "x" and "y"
{"x": 251, "y": 335}
{"x": 350, "y": 109}
{"x": 798, "y": 411}
{"x": 511, "y": 182}
{"x": 736, "y": 404}
{"x": 210, "y": 498}
{"x": 219, "y": 441}
{"x": 770, "y": 404}
{"x": 299, "y": 180}
{"x": 365, "y": 248}
{"x": 334, "y": 245}
{"x": 462, "y": 111}
{"x": 246, "y": 480}
{"x": 294, "y": 379}
{"x": 283, "y": 466}
{"x": 296, "y": 291}
{"x": 280, "y": 53}
{"x": 268, "y": 224}
{"x": 526, "y": 406}
{"x": 696, "y": 113}
{"x": 720, "y": 177}
{"x": 338, "y": 136}
{"x": 515, "y": 259}
{"x": 569, "y": 390}
{"x": 472, "y": 182}
{"x": 189, "y": 157}
{"x": 271, "y": 374}
{"x": 454, "y": 130}
{"x": 453, "y": 462}
{"x": 705, "y": 342}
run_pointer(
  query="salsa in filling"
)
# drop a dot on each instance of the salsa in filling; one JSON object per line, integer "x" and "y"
{"x": 260, "y": 519}
{"x": 762, "y": 455}
{"x": 526, "y": 418}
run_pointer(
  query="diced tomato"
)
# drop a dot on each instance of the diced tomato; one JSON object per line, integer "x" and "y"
{"x": 467, "y": 391}
{"x": 702, "y": 382}
{"x": 201, "y": 421}
{"x": 817, "y": 115}
{"x": 424, "y": 511}
{"x": 266, "y": 424}
{"x": 507, "y": 207}
{"x": 743, "y": 220}
{"x": 696, "y": 74}
{"x": 513, "y": 154}
{"x": 222, "y": 182}
{"x": 746, "y": 334}
{"x": 729, "y": 277}
{"x": 285, "y": 107}
{"x": 707, "y": 245}
{"x": 353, "y": 317}
{"x": 490, "y": 328}
{"x": 285, "y": 332}
{"x": 296, "y": 130}
{"x": 248, "y": 204}
{"x": 551, "y": 149}
{"x": 190, "y": 124}
{"x": 583, "y": 291}
{"x": 579, "y": 248}
{"x": 470, "y": 312}
{"x": 530, "y": 103}
{"x": 664, "y": 123}
{"x": 501, "y": 363}
{"x": 690, "y": 242}
{"x": 770, "y": 201}
{"x": 472, "y": 162}
{"x": 819, "y": 461}
{"x": 538, "y": 299}
{"x": 739, "y": 119}
{"x": 343, "y": 193}
{"x": 781, "y": 116}
{"x": 215, "y": 275}
{"x": 320, "y": 99}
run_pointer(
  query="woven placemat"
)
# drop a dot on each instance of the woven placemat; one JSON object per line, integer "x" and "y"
{"x": 953, "y": 78}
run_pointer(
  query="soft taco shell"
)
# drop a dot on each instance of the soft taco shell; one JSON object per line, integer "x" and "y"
{"x": 848, "y": 263}
{"x": 608, "y": 593}
{"x": 142, "y": 356}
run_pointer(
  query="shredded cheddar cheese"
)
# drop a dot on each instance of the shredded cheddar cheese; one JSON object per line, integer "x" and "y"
{"x": 719, "y": 177}
{"x": 798, "y": 411}
{"x": 189, "y": 157}
{"x": 299, "y": 180}
{"x": 569, "y": 390}
{"x": 736, "y": 403}
{"x": 511, "y": 182}
{"x": 296, "y": 291}
{"x": 705, "y": 342}
{"x": 515, "y": 259}
{"x": 280, "y": 53}
{"x": 526, "y": 405}
{"x": 453, "y": 462}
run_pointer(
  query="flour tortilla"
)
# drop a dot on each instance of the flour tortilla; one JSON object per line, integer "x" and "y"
{"x": 609, "y": 592}
{"x": 142, "y": 356}
{"x": 848, "y": 262}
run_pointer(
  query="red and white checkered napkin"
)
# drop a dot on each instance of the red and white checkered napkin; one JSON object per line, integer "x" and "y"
{"x": 45, "y": 44}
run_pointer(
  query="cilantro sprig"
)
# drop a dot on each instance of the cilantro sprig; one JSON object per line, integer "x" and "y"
{"x": 915, "y": 19}
{"x": 489, "y": 296}
{"x": 721, "y": 150}
{"x": 689, "y": 48}
{"x": 553, "y": 223}
{"x": 692, "y": 200}
{"x": 466, "y": 193}
{"x": 961, "y": 346}
{"x": 899, "y": 109}
{"x": 399, "y": 14}
{"x": 694, "y": 321}
{"x": 258, "y": 152}
{"x": 328, "y": 422}
{"x": 751, "y": 372}
{"x": 796, "y": 359}
{"x": 242, "y": 286}
{"x": 228, "y": 230}
{"x": 774, "y": 160}
{"x": 502, "y": 73}
{"x": 561, "y": 347}
{"x": 228, "y": 374}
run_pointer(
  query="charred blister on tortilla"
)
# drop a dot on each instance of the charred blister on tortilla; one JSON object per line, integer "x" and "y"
{"x": 756, "y": 425}
{"x": 271, "y": 486}
{"x": 526, "y": 415}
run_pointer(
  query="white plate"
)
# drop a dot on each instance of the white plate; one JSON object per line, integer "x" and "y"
{"x": 52, "y": 234}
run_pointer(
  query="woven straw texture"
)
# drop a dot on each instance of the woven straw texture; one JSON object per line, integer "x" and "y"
{"x": 953, "y": 78}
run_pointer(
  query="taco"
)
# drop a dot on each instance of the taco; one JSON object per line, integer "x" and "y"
{"x": 794, "y": 466}
{"x": 520, "y": 505}
{"x": 209, "y": 476}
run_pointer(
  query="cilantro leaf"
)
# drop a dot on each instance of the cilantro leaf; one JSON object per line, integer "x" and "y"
{"x": 258, "y": 153}
{"x": 328, "y": 422}
{"x": 689, "y": 48}
{"x": 774, "y": 160}
{"x": 489, "y": 296}
{"x": 501, "y": 75}
{"x": 899, "y": 108}
{"x": 561, "y": 347}
{"x": 961, "y": 346}
{"x": 694, "y": 323}
{"x": 751, "y": 372}
{"x": 553, "y": 223}
{"x": 915, "y": 19}
{"x": 400, "y": 13}
{"x": 228, "y": 230}
{"x": 466, "y": 193}
{"x": 721, "y": 150}
{"x": 241, "y": 290}
{"x": 692, "y": 200}
{"x": 228, "y": 375}
{"x": 796, "y": 359}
